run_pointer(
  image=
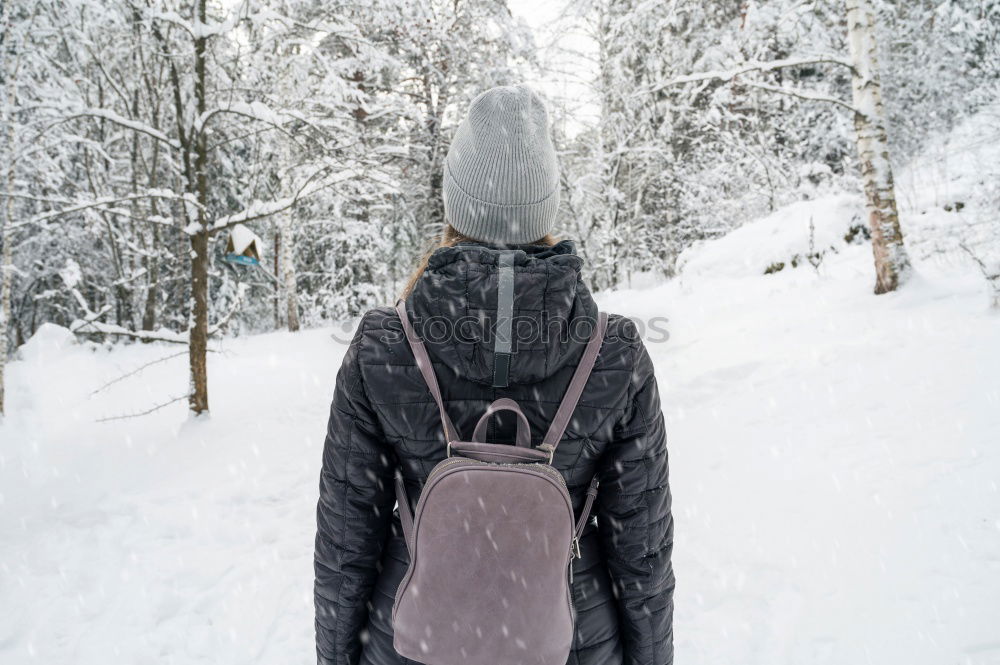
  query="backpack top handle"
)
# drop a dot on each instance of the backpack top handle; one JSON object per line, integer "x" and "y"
{"x": 504, "y": 404}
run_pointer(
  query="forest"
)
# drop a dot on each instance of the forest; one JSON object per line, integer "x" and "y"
{"x": 146, "y": 143}
{"x": 796, "y": 204}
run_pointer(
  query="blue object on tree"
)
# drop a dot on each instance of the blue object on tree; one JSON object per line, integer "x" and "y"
{"x": 243, "y": 247}
{"x": 241, "y": 259}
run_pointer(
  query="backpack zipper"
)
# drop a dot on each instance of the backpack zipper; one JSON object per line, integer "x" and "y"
{"x": 545, "y": 468}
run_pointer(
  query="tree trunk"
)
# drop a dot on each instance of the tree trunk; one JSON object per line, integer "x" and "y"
{"x": 198, "y": 333}
{"x": 892, "y": 264}
{"x": 287, "y": 277}
{"x": 6, "y": 261}
{"x": 6, "y": 236}
{"x": 437, "y": 153}
{"x": 277, "y": 276}
{"x": 152, "y": 281}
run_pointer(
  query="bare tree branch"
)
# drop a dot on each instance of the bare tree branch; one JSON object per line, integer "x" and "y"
{"x": 136, "y": 371}
{"x": 139, "y": 414}
{"x": 979, "y": 262}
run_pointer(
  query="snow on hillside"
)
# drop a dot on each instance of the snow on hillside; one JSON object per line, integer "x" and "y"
{"x": 785, "y": 239}
{"x": 951, "y": 193}
{"x": 950, "y": 200}
{"x": 834, "y": 462}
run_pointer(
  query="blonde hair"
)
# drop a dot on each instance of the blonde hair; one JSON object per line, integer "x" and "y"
{"x": 449, "y": 238}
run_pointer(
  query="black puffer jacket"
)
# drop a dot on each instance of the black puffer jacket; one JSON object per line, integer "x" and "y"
{"x": 383, "y": 416}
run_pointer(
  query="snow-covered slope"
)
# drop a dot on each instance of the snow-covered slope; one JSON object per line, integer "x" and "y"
{"x": 786, "y": 239}
{"x": 835, "y": 459}
{"x": 835, "y": 462}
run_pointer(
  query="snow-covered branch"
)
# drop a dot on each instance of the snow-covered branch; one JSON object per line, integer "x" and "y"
{"x": 85, "y": 327}
{"x": 261, "y": 209}
{"x": 199, "y": 30}
{"x": 127, "y": 123}
{"x": 72, "y": 207}
{"x": 802, "y": 94}
{"x": 90, "y": 325}
{"x": 89, "y": 316}
{"x": 175, "y": 19}
{"x": 196, "y": 29}
{"x": 258, "y": 112}
{"x": 748, "y": 67}
{"x": 223, "y": 323}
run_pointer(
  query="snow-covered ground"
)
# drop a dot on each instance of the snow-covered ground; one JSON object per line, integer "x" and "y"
{"x": 835, "y": 460}
{"x": 835, "y": 463}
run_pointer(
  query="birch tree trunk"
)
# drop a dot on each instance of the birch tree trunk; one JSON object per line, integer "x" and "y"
{"x": 892, "y": 264}
{"x": 287, "y": 276}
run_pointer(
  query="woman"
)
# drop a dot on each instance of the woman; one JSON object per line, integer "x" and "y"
{"x": 501, "y": 192}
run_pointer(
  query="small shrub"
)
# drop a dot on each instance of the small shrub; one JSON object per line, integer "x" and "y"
{"x": 774, "y": 267}
{"x": 857, "y": 234}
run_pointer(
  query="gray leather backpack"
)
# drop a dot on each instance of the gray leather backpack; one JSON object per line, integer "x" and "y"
{"x": 491, "y": 541}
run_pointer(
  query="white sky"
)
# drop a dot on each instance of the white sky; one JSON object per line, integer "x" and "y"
{"x": 568, "y": 57}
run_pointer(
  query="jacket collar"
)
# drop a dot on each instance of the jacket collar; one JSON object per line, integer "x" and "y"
{"x": 454, "y": 308}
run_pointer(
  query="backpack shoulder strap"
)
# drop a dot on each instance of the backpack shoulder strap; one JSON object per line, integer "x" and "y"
{"x": 427, "y": 370}
{"x": 576, "y": 385}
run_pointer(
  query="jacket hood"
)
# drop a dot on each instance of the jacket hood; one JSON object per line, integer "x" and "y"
{"x": 453, "y": 307}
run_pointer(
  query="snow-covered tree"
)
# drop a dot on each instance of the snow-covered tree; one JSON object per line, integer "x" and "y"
{"x": 9, "y": 52}
{"x": 136, "y": 135}
{"x": 178, "y": 146}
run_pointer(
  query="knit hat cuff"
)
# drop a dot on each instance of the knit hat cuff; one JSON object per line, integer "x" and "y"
{"x": 510, "y": 223}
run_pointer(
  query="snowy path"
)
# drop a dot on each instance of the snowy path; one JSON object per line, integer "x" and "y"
{"x": 834, "y": 460}
{"x": 158, "y": 541}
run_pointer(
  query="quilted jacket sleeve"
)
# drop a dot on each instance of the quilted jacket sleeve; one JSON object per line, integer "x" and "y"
{"x": 635, "y": 523}
{"x": 353, "y": 515}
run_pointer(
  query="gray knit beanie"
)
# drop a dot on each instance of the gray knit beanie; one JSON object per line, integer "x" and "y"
{"x": 501, "y": 178}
